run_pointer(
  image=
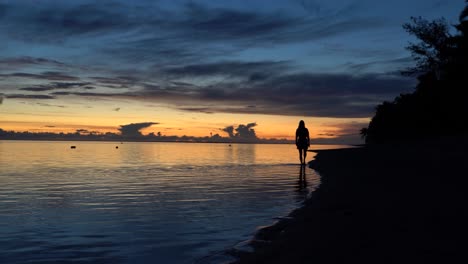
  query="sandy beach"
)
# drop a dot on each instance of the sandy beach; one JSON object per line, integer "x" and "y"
{"x": 377, "y": 204}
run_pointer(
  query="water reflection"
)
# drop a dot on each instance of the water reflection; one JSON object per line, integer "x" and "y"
{"x": 302, "y": 177}
{"x": 301, "y": 188}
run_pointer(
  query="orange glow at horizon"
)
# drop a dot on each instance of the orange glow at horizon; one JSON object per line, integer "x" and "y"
{"x": 104, "y": 118}
{"x": 283, "y": 130}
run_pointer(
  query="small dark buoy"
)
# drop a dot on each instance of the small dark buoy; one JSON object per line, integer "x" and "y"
{"x": 116, "y": 147}
{"x": 73, "y": 147}
{"x": 229, "y": 144}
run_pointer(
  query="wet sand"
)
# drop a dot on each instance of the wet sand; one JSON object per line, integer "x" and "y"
{"x": 380, "y": 204}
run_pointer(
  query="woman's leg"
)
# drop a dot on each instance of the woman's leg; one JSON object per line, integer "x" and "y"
{"x": 305, "y": 155}
{"x": 300, "y": 154}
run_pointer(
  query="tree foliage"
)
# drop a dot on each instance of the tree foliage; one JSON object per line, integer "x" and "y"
{"x": 431, "y": 53}
{"x": 439, "y": 105}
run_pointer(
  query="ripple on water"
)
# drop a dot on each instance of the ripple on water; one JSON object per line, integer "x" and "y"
{"x": 138, "y": 205}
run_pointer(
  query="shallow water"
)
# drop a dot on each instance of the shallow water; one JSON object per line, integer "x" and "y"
{"x": 140, "y": 202}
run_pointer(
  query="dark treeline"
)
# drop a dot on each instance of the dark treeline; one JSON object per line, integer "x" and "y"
{"x": 439, "y": 106}
{"x": 80, "y": 135}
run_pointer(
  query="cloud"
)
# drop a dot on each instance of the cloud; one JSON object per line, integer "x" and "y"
{"x": 56, "y": 76}
{"x": 58, "y": 21}
{"x": 324, "y": 95}
{"x": 378, "y": 65}
{"x": 29, "y": 96}
{"x": 250, "y": 70}
{"x": 275, "y": 93}
{"x": 48, "y": 75}
{"x": 40, "y": 88}
{"x": 223, "y": 23}
{"x": 118, "y": 82}
{"x": 195, "y": 32}
{"x": 133, "y": 130}
{"x": 58, "y": 86}
{"x": 61, "y": 20}
{"x": 341, "y": 133}
{"x": 19, "y": 62}
{"x": 205, "y": 110}
{"x": 246, "y": 132}
{"x": 213, "y": 24}
{"x": 50, "y": 105}
{"x": 101, "y": 95}
{"x": 229, "y": 130}
{"x": 148, "y": 32}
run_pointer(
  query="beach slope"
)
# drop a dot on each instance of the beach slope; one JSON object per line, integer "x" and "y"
{"x": 377, "y": 204}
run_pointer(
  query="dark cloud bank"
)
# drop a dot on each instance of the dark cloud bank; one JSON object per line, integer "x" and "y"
{"x": 244, "y": 87}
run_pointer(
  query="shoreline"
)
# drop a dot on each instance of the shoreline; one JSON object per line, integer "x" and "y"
{"x": 388, "y": 203}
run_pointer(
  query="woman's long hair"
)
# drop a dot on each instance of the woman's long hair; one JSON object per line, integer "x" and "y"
{"x": 301, "y": 125}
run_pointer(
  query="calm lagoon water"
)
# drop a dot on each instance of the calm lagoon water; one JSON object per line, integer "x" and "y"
{"x": 142, "y": 202}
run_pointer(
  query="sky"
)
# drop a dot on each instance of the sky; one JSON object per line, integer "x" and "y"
{"x": 197, "y": 68}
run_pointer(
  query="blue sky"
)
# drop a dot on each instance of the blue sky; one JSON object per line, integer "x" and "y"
{"x": 317, "y": 58}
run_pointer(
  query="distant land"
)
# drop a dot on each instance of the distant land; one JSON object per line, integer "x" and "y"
{"x": 85, "y": 135}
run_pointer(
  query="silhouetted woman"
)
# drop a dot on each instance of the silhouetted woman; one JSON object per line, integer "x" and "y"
{"x": 302, "y": 141}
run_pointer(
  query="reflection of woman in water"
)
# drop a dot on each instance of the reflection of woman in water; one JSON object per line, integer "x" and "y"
{"x": 302, "y": 141}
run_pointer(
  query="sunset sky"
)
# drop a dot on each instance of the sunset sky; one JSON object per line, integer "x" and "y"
{"x": 196, "y": 67}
